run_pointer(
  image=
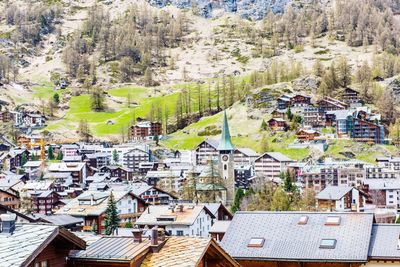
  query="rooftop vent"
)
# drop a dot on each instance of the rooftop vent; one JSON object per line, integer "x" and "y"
{"x": 303, "y": 220}
{"x": 332, "y": 220}
{"x": 327, "y": 243}
{"x": 256, "y": 242}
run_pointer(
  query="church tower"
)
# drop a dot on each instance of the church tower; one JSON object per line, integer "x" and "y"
{"x": 226, "y": 161}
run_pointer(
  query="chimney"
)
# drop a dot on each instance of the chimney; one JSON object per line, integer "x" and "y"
{"x": 91, "y": 199}
{"x": 154, "y": 236}
{"x": 8, "y": 223}
{"x": 137, "y": 235}
{"x": 180, "y": 208}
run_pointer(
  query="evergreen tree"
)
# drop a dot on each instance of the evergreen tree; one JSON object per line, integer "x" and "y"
{"x": 238, "y": 197}
{"x": 24, "y": 159}
{"x": 289, "y": 113}
{"x": 50, "y": 153}
{"x": 264, "y": 125}
{"x": 288, "y": 185}
{"x": 60, "y": 155}
{"x": 115, "y": 156}
{"x": 56, "y": 98}
{"x": 111, "y": 219}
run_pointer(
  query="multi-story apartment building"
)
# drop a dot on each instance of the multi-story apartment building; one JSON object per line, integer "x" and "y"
{"x": 271, "y": 164}
{"x": 145, "y": 130}
{"x": 134, "y": 157}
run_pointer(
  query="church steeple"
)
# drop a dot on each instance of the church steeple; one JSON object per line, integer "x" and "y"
{"x": 225, "y": 144}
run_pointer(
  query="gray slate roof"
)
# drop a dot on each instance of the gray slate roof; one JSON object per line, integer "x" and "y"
{"x": 384, "y": 241}
{"x": 16, "y": 248}
{"x": 286, "y": 240}
{"x": 334, "y": 192}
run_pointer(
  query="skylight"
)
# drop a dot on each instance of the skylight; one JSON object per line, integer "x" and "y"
{"x": 327, "y": 243}
{"x": 332, "y": 220}
{"x": 256, "y": 242}
{"x": 303, "y": 220}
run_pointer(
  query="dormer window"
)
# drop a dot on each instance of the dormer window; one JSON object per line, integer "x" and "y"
{"x": 332, "y": 220}
{"x": 256, "y": 242}
{"x": 327, "y": 243}
{"x": 303, "y": 220}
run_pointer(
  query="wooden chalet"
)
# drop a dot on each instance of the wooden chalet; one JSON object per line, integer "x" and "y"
{"x": 328, "y": 103}
{"x": 277, "y": 124}
{"x": 350, "y": 96}
{"x": 279, "y": 113}
{"x": 307, "y": 135}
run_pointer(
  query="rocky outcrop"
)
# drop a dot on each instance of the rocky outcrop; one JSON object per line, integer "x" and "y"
{"x": 306, "y": 83}
{"x": 394, "y": 86}
{"x": 255, "y": 9}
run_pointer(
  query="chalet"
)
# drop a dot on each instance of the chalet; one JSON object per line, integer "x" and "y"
{"x": 45, "y": 202}
{"x": 307, "y": 135}
{"x": 279, "y": 113}
{"x": 78, "y": 170}
{"x": 123, "y": 173}
{"x": 5, "y": 116}
{"x": 97, "y": 160}
{"x": 9, "y": 199}
{"x": 91, "y": 207}
{"x": 207, "y": 150}
{"x": 134, "y": 157}
{"x": 33, "y": 168}
{"x": 36, "y": 245}
{"x": 350, "y": 96}
{"x": 70, "y": 150}
{"x": 341, "y": 198}
{"x": 284, "y": 101}
{"x": 300, "y": 100}
{"x": 314, "y": 117}
{"x": 178, "y": 220}
{"x": 157, "y": 250}
{"x": 299, "y": 238}
{"x": 365, "y": 131}
{"x": 34, "y": 120}
{"x": 277, "y": 124}
{"x": 271, "y": 164}
{"x": 145, "y": 130}
{"x": 327, "y": 104}
{"x": 15, "y": 159}
{"x": 148, "y": 193}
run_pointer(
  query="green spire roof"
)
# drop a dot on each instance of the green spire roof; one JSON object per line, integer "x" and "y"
{"x": 225, "y": 143}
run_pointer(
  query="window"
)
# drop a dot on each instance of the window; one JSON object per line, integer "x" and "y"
{"x": 256, "y": 242}
{"x": 332, "y": 220}
{"x": 327, "y": 243}
{"x": 179, "y": 233}
{"x": 303, "y": 220}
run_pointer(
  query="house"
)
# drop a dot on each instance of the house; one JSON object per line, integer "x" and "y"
{"x": 20, "y": 217}
{"x": 97, "y": 160}
{"x": 148, "y": 193}
{"x": 277, "y": 124}
{"x": 15, "y": 159}
{"x": 365, "y": 131}
{"x": 69, "y": 150}
{"x": 33, "y": 168}
{"x": 156, "y": 251}
{"x": 91, "y": 206}
{"x": 219, "y": 210}
{"x": 219, "y": 229}
{"x": 145, "y": 130}
{"x": 33, "y": 120}
{"x": 37, "y": 245}
{"x": 279, "y": 113}
{"x": 123, "y": 173}
{"x": 284, "y": 101}
{"x": 9, "y": 199}
{"x": 389, "y": 162}
{"x": 170, "y": 180}
{"x": 243, "y": 174}
{"x": 271, "y": 164}
{"x": 328, "y": 103}
{"x": 178, "y": 220}
{"x": 299, "y": 238}
{"x": 314, "y": 117}
{"x": 305, "y": 135}
{"x": 300, "y": 100}
{"x": 5, "y": 116}
{"x": 78, "y": 170}
{"x": 350, "y": 96}
{"x": 67, "y": 221}
{"x": 384, "y": 246}
{"x": 45, "y": 202}
{"x": 384, "y": 193}
{"x": 341, "y": 198}
{"x": 134, "y": 157}
{"x": 207, "y": 150}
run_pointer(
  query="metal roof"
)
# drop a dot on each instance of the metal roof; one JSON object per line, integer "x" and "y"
{"x": 220, "y": 226}
{"x": 385, "y": 241}
{"x": 225, "y": 144}
{"x": 286, "y": 240}
{"x": 277, "y": 155}
{"x": 334, "y": 192}
{"x": 113, "y": 248}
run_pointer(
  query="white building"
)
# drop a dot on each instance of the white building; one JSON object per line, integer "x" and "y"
{"x": 271, "y": 164}
{"x": 179, "y": 220}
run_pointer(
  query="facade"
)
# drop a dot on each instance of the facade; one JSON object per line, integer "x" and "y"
{"x": 350, "y": 96}
{"x": 44, "y": 202}
{"x": 133, "y": 158}
{"x": 271, "y": 165}
{"x": 364, "y": 131}
{"x": 328, "y": 103}
{"x": 70, "y": 150}
{"x": 9, "y": 199}
{"x": 78, "y": 170}
{"x": 314, "y": 117}
{"x": 277, "y": 124}
{"x": 178, "y": 220}
{"x": 341, "y": 198}
{"x": 118, "y": 172}
{"x": 207, "y": 150}
{"x": 145, "y": 130}
{"x": 307, "y": 135}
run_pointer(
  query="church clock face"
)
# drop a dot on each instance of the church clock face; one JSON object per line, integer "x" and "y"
{"x": 225, "y": 158}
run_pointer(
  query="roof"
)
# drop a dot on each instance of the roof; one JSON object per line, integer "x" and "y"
{"x": 171, "y": 254}
{"x": 113, "y": 248}
{"x": 220, "y": 226}
{"x": 28, "y": 240}
{"x": 33, "y": 164}
{"x": 334, "y": 192}
{"x": 226, "y": 143}
{"x": 152, "y": 215}
{"x": 384, "y": 242}
{"x": 58, "y": 219}
{"x": 248, "y": 152}
{"x": 66, "y": 167}
{"x": 286, "y": 240}
{"x": 382, "y": 184}
{"x": 277, "y": 155}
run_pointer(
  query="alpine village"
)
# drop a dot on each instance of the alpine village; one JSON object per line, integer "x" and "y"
{"x": 199, "y": 133}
